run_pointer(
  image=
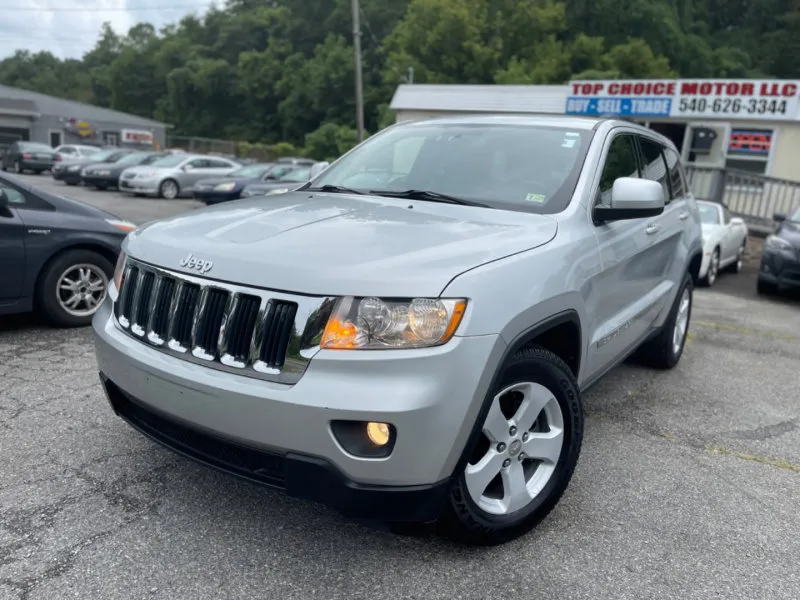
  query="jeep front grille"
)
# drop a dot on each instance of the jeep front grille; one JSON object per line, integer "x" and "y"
{"x": 245, "y": 330}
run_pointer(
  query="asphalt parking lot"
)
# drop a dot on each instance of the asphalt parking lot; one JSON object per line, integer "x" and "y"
{"x": 687, "y": 487}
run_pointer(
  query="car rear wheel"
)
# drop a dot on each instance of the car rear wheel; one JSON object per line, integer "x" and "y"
{"x": 17, "y": 168}
{"x": 738, "y": 264}
{"x": 665, "y": 350}
{"x": 73, "y": 287}
{"x": 766, "y": 287}
{"x": 168, "y": 189}
{"x": 519, "y": 466}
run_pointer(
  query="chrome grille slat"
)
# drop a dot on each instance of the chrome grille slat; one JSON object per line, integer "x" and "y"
{"x": 248, "y": 331}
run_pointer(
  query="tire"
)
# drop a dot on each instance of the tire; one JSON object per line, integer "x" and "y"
{"x": 766, "y": 288}
{"x": 472, "y": 516}
{"x": 51, "y": 297}
{"x": 37, "y": 172}
{"x": 168, "y": 189}
{"x": 661, "y": 351}
{"x": 713, "y": 270}
{"x": 738, "y": 264}
{"x": 71, "y": 183}
{"x": 101, "y": 188}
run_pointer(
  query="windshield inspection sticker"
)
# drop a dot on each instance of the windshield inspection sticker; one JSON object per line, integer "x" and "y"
{"x": 569, "y": 143}
{"x": 535, "y": 198}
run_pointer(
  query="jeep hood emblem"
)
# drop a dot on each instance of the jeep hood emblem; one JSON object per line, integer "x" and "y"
{"x": 192, "y": 262}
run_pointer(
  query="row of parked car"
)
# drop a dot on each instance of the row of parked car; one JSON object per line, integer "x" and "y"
{"x": 163, "y": 174}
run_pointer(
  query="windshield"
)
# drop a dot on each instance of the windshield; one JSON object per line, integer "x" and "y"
{"x": 251, "y": 171}
{"x": 88, "y": 150}
{"x": 709, "y": 214}
{"x": 131, "y": 159}
{"x": 297, "y": 175}
{"x": 515, "y": 167}
{"x": 150, "y": 159}
{"x": 795, "y": 216}
{"x": 34, "y": 147}
{"x": 102, "y": 155}
{"x": 170, "y": 161}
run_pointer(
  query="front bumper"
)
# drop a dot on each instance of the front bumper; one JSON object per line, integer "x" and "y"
{"x": 781, "y": 268}
{"x": 212, "y": 197}
{"x": 65, "y": 175}
{"x": 289, "y": 426}
{"x": 148, "y": 187}
{"x": 100, "y": 180}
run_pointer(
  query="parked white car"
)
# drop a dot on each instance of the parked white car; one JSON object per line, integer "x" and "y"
{"x": 724, "y": 241}
{"x": 174, "y": 175}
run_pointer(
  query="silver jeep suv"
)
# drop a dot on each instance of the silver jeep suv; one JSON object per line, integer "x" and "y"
{"x": 406, "y": 337}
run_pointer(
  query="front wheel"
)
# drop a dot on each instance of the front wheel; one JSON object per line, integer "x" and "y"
{"x": 523, "y": 459}
{"x": 72, "y": 288}
{"x": 168, "y": 189}
{"x": 713, "y": 270}
{"x": 766, "y": 288}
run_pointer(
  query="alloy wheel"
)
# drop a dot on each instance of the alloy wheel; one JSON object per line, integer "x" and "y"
{"x": 82, "y": 289}
{"x": 522, "y": 452}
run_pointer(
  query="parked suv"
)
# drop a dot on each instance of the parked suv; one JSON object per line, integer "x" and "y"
{"x": 406, "y": 337}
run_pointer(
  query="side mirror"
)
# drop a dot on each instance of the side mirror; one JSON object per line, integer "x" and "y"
{"x": 317, "y": 168}
{"x": 632, "y": 198}
{"x": 779, "y": 217}
{"x": 187, "y": 168}
{"x": 737, "y": 221}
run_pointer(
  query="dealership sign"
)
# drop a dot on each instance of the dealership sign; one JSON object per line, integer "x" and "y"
{"x": 135, "y": 136}
{"x": 751, "y": 99}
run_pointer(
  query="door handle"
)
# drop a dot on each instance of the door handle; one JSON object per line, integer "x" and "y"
{"x": 683, "y": 216}
{"x": 652, "y": 229}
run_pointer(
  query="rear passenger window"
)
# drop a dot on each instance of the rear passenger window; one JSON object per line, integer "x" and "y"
{"x": 654, "y": 166}
{"x": 620, "y": 162}
{"x": 677, "y": 182}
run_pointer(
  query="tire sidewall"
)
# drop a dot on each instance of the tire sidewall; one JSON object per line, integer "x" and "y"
{"x": 47, "y": 287}
{"x": 674, "y": 357}
{"x": 168, "y": 182}
{"x": 562, "y": 385}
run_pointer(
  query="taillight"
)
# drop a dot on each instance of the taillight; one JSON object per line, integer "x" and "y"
{"x": 58, "y": 158}
{"x": 26, "y": 156}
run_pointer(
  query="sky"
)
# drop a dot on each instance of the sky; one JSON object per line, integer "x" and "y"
{"x": 69, "y": 28}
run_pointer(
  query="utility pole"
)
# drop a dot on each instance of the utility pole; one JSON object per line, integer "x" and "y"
{"x": 359, "y": 82}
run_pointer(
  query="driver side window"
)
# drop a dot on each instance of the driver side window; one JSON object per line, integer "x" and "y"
{"x": 621, "y": 161}
{"x": 15, "y": 197}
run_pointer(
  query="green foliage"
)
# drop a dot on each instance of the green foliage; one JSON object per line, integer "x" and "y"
{"x": 279, "y": 75}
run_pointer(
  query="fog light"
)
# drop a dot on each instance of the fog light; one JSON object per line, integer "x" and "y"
{"x": 378, "y": 433}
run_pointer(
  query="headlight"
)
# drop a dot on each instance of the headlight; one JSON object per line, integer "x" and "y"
{"x": 103, "y": 173}
{"x": 376, "y": 324}
{"x": 773, "y": 242}
{"x": 74, "y": 168}
{"x": 119, "y": 269}
{"x": 224, "y": 187}
{"x": 249, "y": 193}
{"x": 278, "y": 191}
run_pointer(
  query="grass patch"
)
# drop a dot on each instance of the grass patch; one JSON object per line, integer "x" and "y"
{"x": 773, "y": 462}
{"x": 768, "y": 334}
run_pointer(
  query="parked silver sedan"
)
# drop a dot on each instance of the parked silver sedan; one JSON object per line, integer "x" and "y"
{"x": 174, "y": 176}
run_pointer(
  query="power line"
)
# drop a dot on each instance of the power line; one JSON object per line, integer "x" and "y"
{"x": 104, "y": 10}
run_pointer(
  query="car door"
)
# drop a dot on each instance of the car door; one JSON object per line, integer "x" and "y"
{"x": 627, "y": 291}
{"x": 12, "y": 243}
{"x": 667, "y": 251}
{"x": 730, "y": 241}
{"x": 193, "y": 171}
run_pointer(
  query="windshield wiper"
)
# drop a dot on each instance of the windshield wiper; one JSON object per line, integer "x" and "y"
{"x": 427, "y": 195}
{"x": 335, "y": 189}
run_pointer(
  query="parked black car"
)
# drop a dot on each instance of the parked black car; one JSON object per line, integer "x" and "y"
{"x": 28, "y": 156}
{"x": 69, "y": 171}
{"x": 292, "y": 180}
{"x": 780, "y": 260}
{"x": 56, "y": 255}
{"x": 223, "y": 189}
{"x": 106, "y": 174}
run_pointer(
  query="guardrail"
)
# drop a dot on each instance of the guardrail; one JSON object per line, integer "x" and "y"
{"x": 753, "y": 197}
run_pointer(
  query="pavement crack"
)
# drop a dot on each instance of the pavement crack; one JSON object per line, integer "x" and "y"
{"x": 765, "y": 432}
{"x": 774, "y": 462}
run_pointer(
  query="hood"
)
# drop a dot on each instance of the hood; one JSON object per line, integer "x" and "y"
{"x": 239, "y": 181}
{"x": 790, "y": 231}
{"x": 334, "y": 244}
{"x": 265, "y": 186}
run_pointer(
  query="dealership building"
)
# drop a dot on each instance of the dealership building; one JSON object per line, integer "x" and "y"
{"x": 746, "y": 125}
{"x": 31, "y": 116}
